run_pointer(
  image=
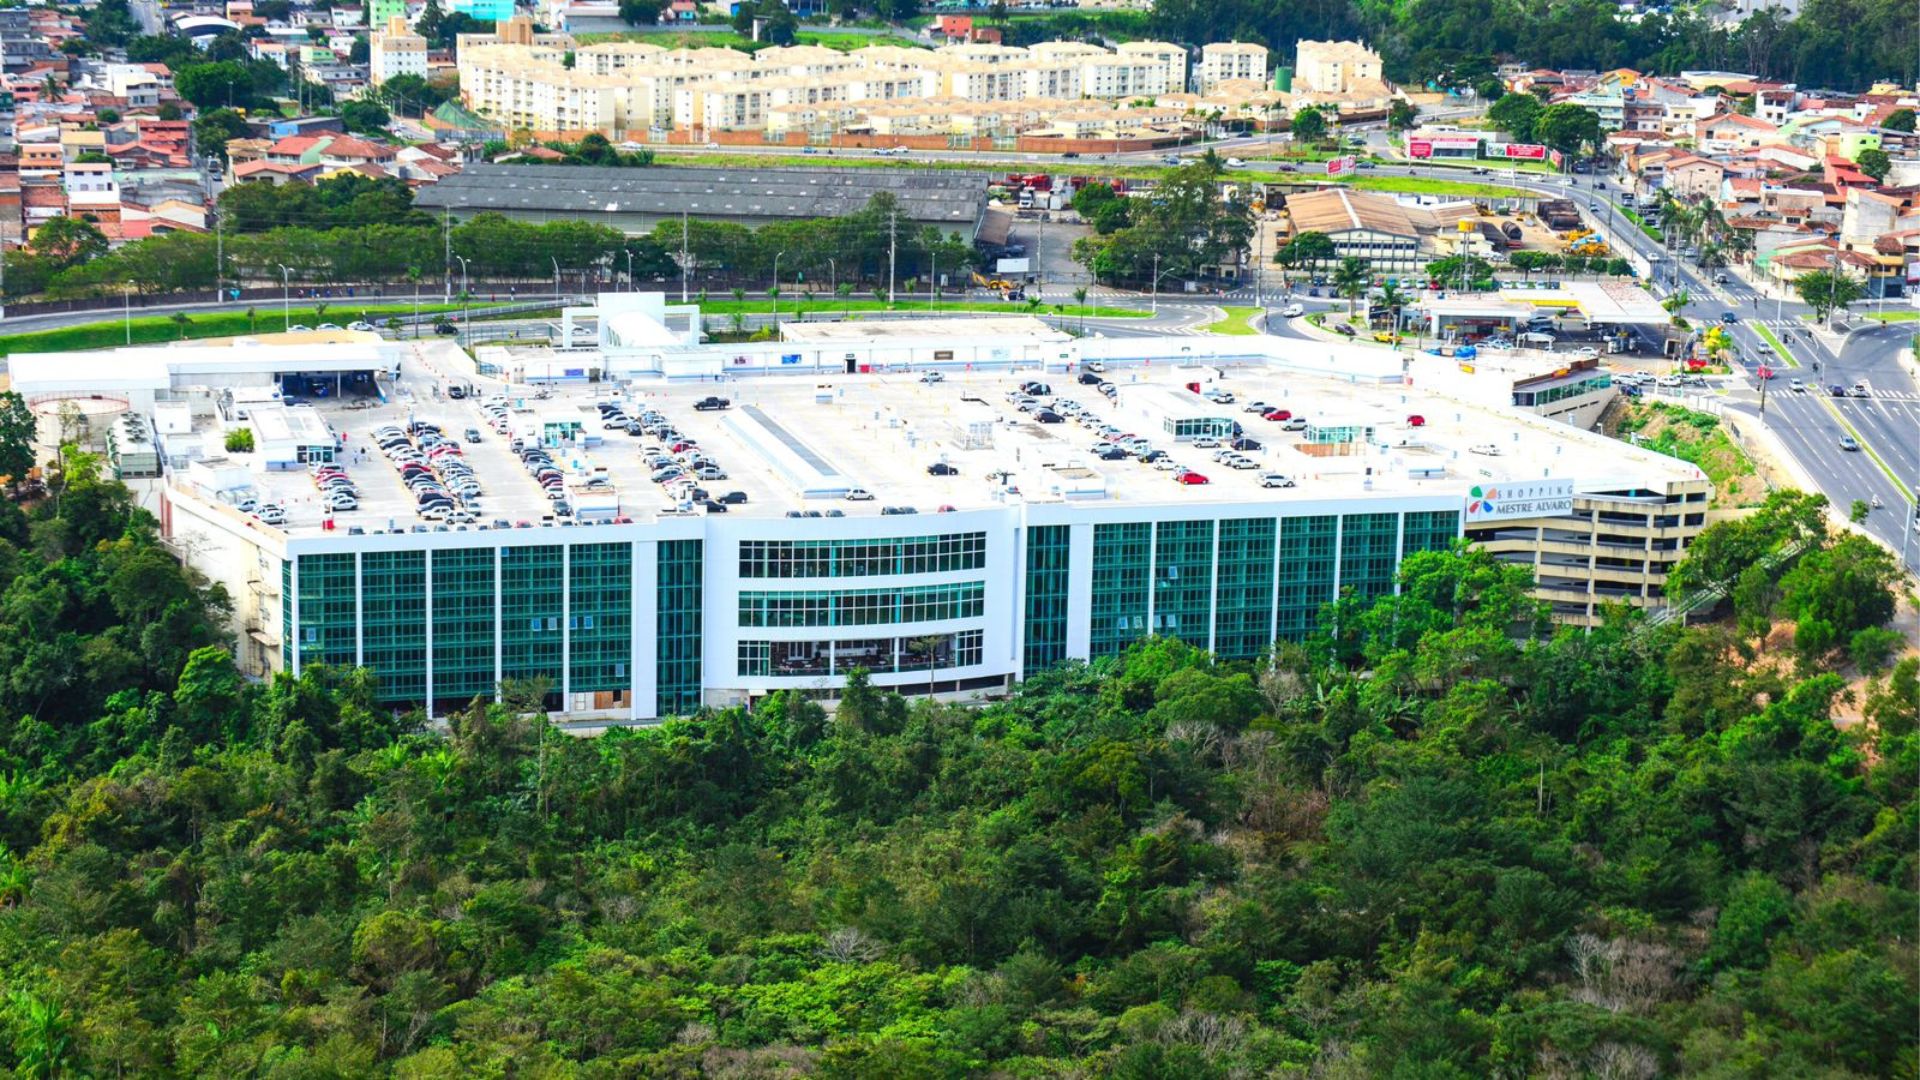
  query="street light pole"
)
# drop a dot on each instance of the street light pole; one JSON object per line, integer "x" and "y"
{"x": 776, "y": 290}
{"x": 126, "y": 303}
{"x": 556, "y": 278}
{"x": 466, "y": 299}
{"x": 630, "y": 270}
{"x": 1156, "y": 283}
{"x": 286, "y": 302}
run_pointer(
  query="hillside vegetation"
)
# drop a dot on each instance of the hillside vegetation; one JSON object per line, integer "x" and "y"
{"x": 1438, "y": 841}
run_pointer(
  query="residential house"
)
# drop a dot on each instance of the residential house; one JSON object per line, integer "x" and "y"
{"x": 1691, "y": 177}
{"x": 1730, "y": 132}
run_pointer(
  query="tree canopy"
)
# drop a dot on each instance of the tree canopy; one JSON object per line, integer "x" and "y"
{"x": 1438, "y": 839}
{"x": 1184, "y": 230}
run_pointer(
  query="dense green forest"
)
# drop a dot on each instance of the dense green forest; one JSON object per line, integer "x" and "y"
{"x": 1437, "y": 842}
{"x": 1834, "y": 44}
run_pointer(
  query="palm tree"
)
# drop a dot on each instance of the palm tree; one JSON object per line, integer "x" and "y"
{"x": 927, "y": 648}
{"x": 1393, "y": 300}
{"x": 1350, "y": 281}
{"x": 1676, "y": 304}
{"x": 845, "y": 290}
{"x": 1080, "y": 297}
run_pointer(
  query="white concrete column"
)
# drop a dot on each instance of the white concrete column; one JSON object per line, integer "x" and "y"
{"x": 1080, "y": 591}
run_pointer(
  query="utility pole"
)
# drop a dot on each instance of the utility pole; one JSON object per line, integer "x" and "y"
{"x": 893, "y": 219}
{"x": 683, "y": 256}
{"x": 219, "y": 255}
{"x": 446, "y": 237}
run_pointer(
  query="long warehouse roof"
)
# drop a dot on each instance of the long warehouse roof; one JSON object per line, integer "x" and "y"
{"x": 950, "y": 198}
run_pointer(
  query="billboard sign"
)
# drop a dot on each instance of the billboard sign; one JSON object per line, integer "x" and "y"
{"x": 1524, "y": 499}
{"x": 1517, "y": 151}
{"x": 1420, "y": 148}
{"x": 1340, "y": 166}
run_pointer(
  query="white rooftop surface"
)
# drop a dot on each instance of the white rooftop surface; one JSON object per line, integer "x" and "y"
{"x": 881, "y": 432}
{"x": 300, "y": 425}
{"x": 867, "y": 331}
{"x": 146, "y": 368}
{"x": 1610, "y": 302}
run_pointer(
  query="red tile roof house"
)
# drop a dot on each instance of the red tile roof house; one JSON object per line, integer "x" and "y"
{"x": 1693, "y": 177}
{"x": 278, "y": 172}
{"x": 1726, "y": 132}
{"x": 1842, "y": 174}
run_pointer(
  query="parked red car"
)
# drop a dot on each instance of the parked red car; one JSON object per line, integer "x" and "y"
{"x": 1416, "y": 420}
{"x": 1190, "y": 478}
{"x": 1278, "y": 415}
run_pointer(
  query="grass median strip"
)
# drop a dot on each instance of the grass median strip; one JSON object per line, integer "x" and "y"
{"x": 188, "y": 326}
{"x": 791, "y": 306}
{"x": 1767, "y": 336}
{"x": 1238, "y": 322}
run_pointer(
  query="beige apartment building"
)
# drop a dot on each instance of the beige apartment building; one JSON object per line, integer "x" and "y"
{"x": 638, "y": 90}
{"x": 396, "y": 50}
{"x": 1231, "y": 61}
{"x": 1344, "y": 75}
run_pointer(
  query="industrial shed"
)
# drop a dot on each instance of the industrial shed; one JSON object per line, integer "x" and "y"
{"x": 634, "y": 200}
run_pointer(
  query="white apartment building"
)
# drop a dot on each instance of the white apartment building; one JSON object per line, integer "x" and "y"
{"x": 1229, "y": 61}
{"x": 135, "y": 83}
{"x": 1171, "y": 58}
{"x": 396, "y": 50}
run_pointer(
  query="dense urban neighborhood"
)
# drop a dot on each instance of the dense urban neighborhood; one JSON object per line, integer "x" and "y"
{"x": 1353, "y": 540}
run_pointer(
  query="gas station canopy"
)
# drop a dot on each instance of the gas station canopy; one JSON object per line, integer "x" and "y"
{"x": 1605, "y": 303}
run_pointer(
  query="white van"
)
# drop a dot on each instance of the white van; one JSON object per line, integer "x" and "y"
{"x": 1536, "y": 339}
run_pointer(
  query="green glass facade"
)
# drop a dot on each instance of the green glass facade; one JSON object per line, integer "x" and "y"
{"x": 1049, "y": 560}
{"x": 863, "y": 607}
{"x": 329, "y": 608}
{"x": 1243, "y": 594}
{"x": 1429, "y": 531}
{"x": 393, "y": 596}
{"x": 1369, "y": 547}
{"x": 863, "y": 558}
{"x": 1183, "y": 580}
{"x": 532, "y": 607}
{"x": 600, "y": 619}
{"x": 463, "y": 624}
{"x": 1307, "y": 546}
{"x": 1122, "y": 574}
{"x": 677, "y": 628}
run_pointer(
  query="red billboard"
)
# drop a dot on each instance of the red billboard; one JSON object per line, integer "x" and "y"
{"x": 1340, "y": 165}
{"x": 1420, "y": 148}
{"x": 1517, "y": 151}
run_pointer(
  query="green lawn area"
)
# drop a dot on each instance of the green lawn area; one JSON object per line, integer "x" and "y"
{"x": 1421, "y": 185}
{"x": 1767, "y": 336}
{"x": 1236, "y": 323}
{"x": 151, "y": 329}
{"x": 855, "y": 305}
{"x": 1894, "y": 316}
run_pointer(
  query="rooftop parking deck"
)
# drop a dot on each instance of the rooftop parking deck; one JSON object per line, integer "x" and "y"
{"x": 879, "y": 434}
